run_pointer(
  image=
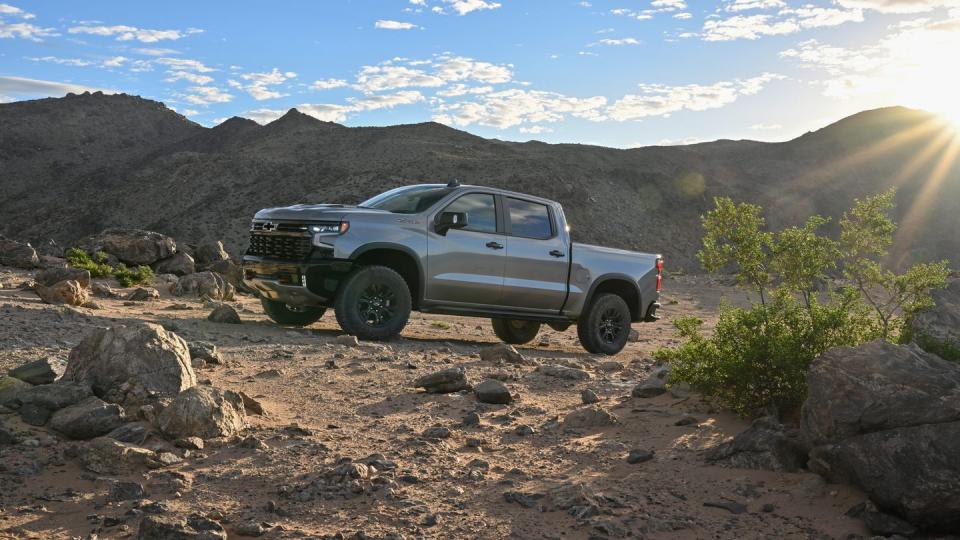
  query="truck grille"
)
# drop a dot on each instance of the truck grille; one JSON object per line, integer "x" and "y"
{"x": 278, "y": 246}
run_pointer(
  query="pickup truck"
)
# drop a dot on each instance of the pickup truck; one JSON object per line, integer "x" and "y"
{"x": 452, "y": 249}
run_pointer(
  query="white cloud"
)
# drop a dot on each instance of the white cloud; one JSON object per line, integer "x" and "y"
{"x": 195, "y": 78}
{"x": 747, "y": 5}
{"x": 459, "y": 68}
{"x": 394, "y": 25}
{"x": 327, "y": 84}
{"x": 462, "y": 7}
{"x": 259, "y": 85}
{"x": 512, "y": 107}
{"x": 129, "y": 33}
{"x": 115, "y": 61}
{"x": 462, "y": 90}
{"x": 390, "y": 77}
{"x": 899, "y": 6}
{"x": 433, "y": 73}
{"x": 663, "y": 100}
{"x": 261, "y": 116}
{"x": 535, "y": 130}
{"x": 331, "y": 112}
{"x": 185, "y": 64}
{"x": 112, "y": 62}
{"x": 155, "y": 51}
{"x": 23, "y": 87}
{"x": 419, "y": 2}
{"x": 7, "y": 9}
{"x": 189, "y": 112}
{"x": 683, "y": 16}
{"x": 616, "y": 42}
{"x": 643, "y": 15}
{"x": 669, "y": 4}
{"x": 325, "y": 112}
{"x": 205, "y": 95}
{"x": 787, "y": 21}
{"x": 24, "y": 30}
{"x": 385, "y": 101}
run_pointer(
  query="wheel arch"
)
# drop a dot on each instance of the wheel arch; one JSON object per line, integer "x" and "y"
{"x": 397, "y": 257}
{"x": 621, "y": 285}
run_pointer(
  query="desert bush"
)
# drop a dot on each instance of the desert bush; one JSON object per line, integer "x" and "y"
{"x": 128, "y": 277}
{"x": 96, "y": 265}
{"x": 757, "y": 359}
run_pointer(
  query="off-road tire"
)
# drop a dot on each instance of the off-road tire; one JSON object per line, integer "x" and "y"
{"x": 605, "y": 325}
{"x": 281, "y": 313}
{"x": 373, "y": 303}
{"x": 515, "y": 332}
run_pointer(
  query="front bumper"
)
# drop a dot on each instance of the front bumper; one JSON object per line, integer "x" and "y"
{"x": 295, "y": 283}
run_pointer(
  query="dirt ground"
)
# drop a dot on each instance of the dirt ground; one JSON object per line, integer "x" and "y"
{"x": 325, "y": 401}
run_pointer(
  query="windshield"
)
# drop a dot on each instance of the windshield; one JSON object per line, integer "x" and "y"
{"x": 408, "y": 200}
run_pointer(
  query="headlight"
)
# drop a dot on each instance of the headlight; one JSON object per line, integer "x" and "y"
{"x": 323, "y": 232}
{"x": 325, "y": 229}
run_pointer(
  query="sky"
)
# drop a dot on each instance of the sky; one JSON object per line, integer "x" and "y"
{"x": 622, "y": 73}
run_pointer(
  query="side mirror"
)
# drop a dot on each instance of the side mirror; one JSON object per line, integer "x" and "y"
{"x": 450, "y": 220}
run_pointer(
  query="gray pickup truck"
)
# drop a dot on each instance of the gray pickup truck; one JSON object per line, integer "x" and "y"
{"x": 452, "y": 249}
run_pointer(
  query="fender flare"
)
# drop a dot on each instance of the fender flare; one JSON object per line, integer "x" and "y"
{"x": 618, "y": 277}
{"x": 357, "y": 253}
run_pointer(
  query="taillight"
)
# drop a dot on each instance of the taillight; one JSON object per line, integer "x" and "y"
{"x": 659, "y": 273}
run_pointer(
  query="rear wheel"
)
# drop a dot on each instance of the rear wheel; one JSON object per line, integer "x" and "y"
{"x": 515, "y": 332}
{"x": 605, "y": 326}
{"x": 373, "y": 303}
{"x": 281, "y": 313}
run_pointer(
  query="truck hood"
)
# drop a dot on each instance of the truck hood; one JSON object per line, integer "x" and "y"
{"x": 314, "y": 212}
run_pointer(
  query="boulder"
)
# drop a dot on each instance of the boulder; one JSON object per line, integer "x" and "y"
{"x": 203, "y": 412}
{"x": 131, "y": 246}
{"x": 204, "y": 285}
{"x": 502, "y": 353}
{"x": 102, "y": 290}
{"x": 52, "y": 276}
{"x": 878, "y": 386}
{"x": 654, "y": 385}
{"x": 10, "y": 389}
{"x": 108, "y": 456}
{"x": 131, "y": 432}
{"x": 225, "y": 314}
{"x": 765, "y": 445}
{"x": 128, "y": 364}
{"x": 44, "y": 371}
{"x": 7, "y": 435}
{"x": 493, "y": 391}
{"x": 64, "y": 292}
{"x": 563, "y": 372}
{"x": 886, "y": 418}
{"x": 17, "y": 255}
{"x": 164, "y": 527}
{"x": 444, "y": 381}
{"x": 209, "y": 253}
{"x": 232, "y": 272}
{"x": 144, "y": 294}
{"x": 90, "y": 418}
{"x": 589, "y": 417}
{"x": 54, "y": 397}
{"x": 180, "y": 264}
{"x": 937, "y": 330}
{"x": 204, "y": 352}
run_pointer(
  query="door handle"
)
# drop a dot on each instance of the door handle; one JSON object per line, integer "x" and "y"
{"x": 557, "y": 253}
{"x": 494, "y": 245}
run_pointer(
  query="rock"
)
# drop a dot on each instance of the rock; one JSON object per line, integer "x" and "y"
{"x": 179, "y": 264}
{"x": 251, "y": 406}
{"x": 10, "y": 389}
{"x": 589, "y": 417}
{"x": 7, "y": 436}
{"x": 502, "y": 353}
{"x": 64, "y": 292}
{"x": 132, "y": 432}
{"x": 250, "y": 528}
{"x": 687, "y": 420}
{"x": 108, "y": 456}
{"x": 144, "y": 294}
{"x": 190, "y": 443}
{"x": 639, "y": 455}
{"x": 589, "y": 397}
{"x": 524, "y": 430}
{"x": 633, "y": 336}
{"x": 90, "y": 418}
{"x": 203, "y": 412}
{"x": 131, "y": 246}
{"x": 654, "y": 385}
{"x": 563, "y": 372}
{"x": 129, "y": 364}
{"x": 937, "y": 330}
{"x": 34, "y": 415}
{"x": 205, "y": 351}
{"x": 230, "y": 271}
{"x": 203, "y": 285}
{"x": 493, "y": 391}
{"x": 209, "y": 253}
{"x": 471, "y": 419}
{"x": 346, "y": 340}
{"x": 886, "y": 418}
{"x": 437, "y": 432}
{"x": 765, "y": 445}
{"x": 226, "y": 315}
{"x": 526, "y": 500}
{"x": 102, "y": 290}
{"x": 125, "y": 491}
{"x": 52, "y": 276}
{"x": 729, "y": 506}
{"x": 163, "y": 527}
{"x": 43, "y": 371}
{"x": 444, "y": 381}
{"x": 17, "y": 255}
{"x": 54, "y": 397}
{"x": 879, "y": 523}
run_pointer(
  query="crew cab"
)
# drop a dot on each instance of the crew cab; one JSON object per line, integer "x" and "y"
{"x": 452, "y": 249}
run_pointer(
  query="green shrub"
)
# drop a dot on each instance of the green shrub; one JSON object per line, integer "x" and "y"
{"x": 757, "y": 359}
{"x": 96, "y": 265}
{"x": 129, "y": 277}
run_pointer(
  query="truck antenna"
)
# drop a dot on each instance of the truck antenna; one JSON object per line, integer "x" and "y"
{"x": 453, "y": 183}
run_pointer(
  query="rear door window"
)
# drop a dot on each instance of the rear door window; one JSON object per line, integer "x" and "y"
{"x": 529, "y": 219}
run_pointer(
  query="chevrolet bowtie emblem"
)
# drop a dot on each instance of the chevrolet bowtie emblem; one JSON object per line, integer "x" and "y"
{"x": 269, "y": 226}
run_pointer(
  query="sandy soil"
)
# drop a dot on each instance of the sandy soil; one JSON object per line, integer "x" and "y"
{"x": 366, "y": 404}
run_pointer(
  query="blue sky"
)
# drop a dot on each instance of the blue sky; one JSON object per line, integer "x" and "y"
{"x": 622, "y": 73}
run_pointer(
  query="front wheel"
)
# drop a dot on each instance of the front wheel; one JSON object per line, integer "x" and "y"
{"x": 373, "y": 303}
{"x": 515, "y": 332}
{"x": 281, "y": 313}
{"x": 605, "y": 325}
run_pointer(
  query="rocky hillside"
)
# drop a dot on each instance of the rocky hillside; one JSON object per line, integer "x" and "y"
{"x": 73, "y": 166}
